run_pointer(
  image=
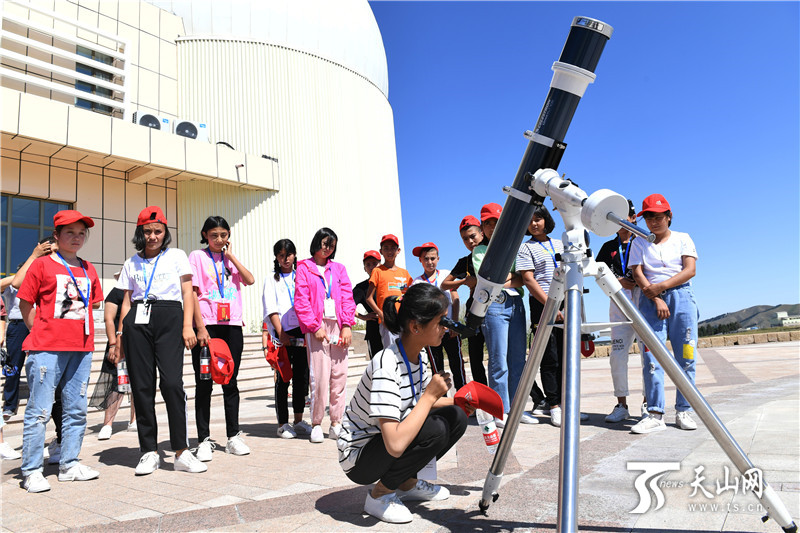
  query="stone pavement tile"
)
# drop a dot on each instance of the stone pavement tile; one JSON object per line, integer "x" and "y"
{"x": 220, "y": 501}
{"x": 199, "y": 520}
{"x": 138, "y": 515}
{"x": 744, "y": 523}
{"x": 22, "y": 520}
{"x": 143, "y": 525}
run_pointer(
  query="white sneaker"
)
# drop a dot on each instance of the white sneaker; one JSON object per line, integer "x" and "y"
{"x": 36, "y": 482}
{"x": 618, "y": 414}
{"x": 302, "y": 428}
{"x": 316, "y": 434}
{"x": 528, "y": 418}
{"x": 423, "y": 492}
{"x": 187, "y": 462}
{"x": 105, "y": 433}
{"x": 205, "y": 449}
{"x": 286, "y": 432}
{"x": 499, "y": 424}
{"x": 132, "y": 426}
{"x": 684, "y": 421}
{"x": 542, "y": 409}
{"x": 78, "y": 472}
{"x": 651, "y": 424}
{"x": 236, "y": 445}
{"x": 388, "y": 508}
{"x": 555, "y": 416}
{"x": 334, "y": 431}
{"x": 54, "y": 451}
{"x": 7, "y": 452}
{"x": 148, "y": 464}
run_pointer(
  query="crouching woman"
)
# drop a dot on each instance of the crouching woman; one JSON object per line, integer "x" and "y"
{"x": 399, "y": 419}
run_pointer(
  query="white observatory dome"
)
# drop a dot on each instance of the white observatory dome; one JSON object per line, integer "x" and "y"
{"x": 341, "y": 31}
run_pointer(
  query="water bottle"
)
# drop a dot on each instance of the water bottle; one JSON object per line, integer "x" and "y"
{"x": 205, "y": 364}
{"x": 335, "y": 340}
{"x": 490, "y": 435}
{"x": 123, "y": 382}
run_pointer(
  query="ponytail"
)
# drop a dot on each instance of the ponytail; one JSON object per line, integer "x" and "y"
{"x": 421, "y": 302}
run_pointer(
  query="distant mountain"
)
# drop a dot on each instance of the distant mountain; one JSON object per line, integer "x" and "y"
{"x": 760, "y": 316}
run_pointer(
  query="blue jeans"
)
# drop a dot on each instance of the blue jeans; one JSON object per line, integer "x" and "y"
{"x": 681, "y": 328}
{"x": 16, "y": 333}
{"x": 505, "y": 333}
{"x": 45, "y": 371}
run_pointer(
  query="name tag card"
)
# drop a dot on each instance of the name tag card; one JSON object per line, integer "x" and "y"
{"x": 223, "y": 311}
{"x": 142, "y": 314}
{"x": 330, "y": 308}
{"x": 428, "y": 472}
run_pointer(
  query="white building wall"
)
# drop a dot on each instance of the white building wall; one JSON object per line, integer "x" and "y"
{"x": 332, "y": 132}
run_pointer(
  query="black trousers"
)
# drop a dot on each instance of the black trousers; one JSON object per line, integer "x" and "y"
{"x": 475, "y": 347}
{"x": 233, "y": 337}
{"x": 157, "y": 345}
{"x": 440, "y": 431}
{"x": 373, "y": 338}
{"x": 451, "y": 345}
{"x": 551, "y": 368}
{"x": 298, "y": 357}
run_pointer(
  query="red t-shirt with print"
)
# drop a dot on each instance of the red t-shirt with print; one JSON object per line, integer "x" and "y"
{"x": 60, "y": 313}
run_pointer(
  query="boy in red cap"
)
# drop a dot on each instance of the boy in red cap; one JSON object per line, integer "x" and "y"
{"x": 463, "y": 274}
{"x": 387, "y": 280}
{"x": 504, "y": 326}
{"x": 373, "y": 334}
{"x": 663, "y": 270}
{"x": 428, "y": 254}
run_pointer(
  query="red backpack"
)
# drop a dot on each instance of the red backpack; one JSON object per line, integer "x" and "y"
{"x": 222, "y": 365}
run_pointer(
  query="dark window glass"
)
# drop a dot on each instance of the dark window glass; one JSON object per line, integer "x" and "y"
{"x": 24, "y": 211}
{"x": 22, "y": 242}
{"x": 4, "y": 216}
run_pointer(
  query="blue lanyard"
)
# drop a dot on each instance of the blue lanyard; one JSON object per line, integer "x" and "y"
{"x": 408, "y": 367}
{"x": 624, "y": 256}
{"x": 327, "y": 286}
{"x": 220, "y": 281}
{"x": 290, "y": 290}
{"x": 152, "y": 274}
{"x": 552, "y": 253}
{"x": 85, "y": 299}
{"x": 426, "y": 278}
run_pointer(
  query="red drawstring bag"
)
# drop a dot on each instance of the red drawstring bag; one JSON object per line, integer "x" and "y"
{"x": 222, "y": 365}
{"x": 278, "y": 359}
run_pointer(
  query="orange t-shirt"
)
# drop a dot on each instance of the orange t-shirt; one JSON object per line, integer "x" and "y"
{"x": 389, "y": 282}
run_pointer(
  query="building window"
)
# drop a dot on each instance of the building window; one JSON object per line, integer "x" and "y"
{"x": 23, "y": 222}
{"x": 95, "y": 73}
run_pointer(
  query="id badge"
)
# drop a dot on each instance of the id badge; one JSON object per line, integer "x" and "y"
{"x": 223, "y": 311}
{"x": 142, "y": 314}
{"x": 428, "y": 472}
{"x": 330, "y": 308}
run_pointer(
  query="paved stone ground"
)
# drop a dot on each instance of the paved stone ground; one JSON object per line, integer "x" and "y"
{"x": 293, "y": 485}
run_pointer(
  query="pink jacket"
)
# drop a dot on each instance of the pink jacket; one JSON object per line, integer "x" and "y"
{"x": 309, "y": 295}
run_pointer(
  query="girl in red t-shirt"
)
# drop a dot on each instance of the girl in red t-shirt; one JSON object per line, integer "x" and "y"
{"x": 64, "y": 288}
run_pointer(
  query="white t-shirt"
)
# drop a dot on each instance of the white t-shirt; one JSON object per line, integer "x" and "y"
{"x": 437, "y": 282}
{"x": 383, "y": 392}
{"x": 171, "y": 266}
{"x": 663, "y": 260}
{"x": 278, "y": 297}
{"x": 539, "y": 257}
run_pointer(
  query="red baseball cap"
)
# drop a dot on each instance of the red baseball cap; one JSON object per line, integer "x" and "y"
{"x": 468, "y": 221}
{"x": 68, "y": 216}
{"x": 491, "y": 210}
{"x": 373, "y": 254}
{"x": 390, "y": 237}
{"x": 151, "y": 214}
{"x": 417, "y": 251}
{"x": 654, "y": 203}
{"x": 479, "y": 396}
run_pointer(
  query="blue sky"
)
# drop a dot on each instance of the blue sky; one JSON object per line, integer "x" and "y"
{"x": 698, "y": 101}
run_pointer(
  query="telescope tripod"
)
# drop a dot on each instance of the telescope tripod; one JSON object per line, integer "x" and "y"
{"x": 567, "y": 287}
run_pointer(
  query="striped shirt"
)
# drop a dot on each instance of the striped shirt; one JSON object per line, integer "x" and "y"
{"x": 538, "y": 256}
{"x": 383, "y": 392}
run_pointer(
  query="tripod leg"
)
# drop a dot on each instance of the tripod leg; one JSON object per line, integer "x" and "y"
{"x": 554, "y": 297}
{"x": 768, "y": 497}
{"x": 570, "y": 408}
